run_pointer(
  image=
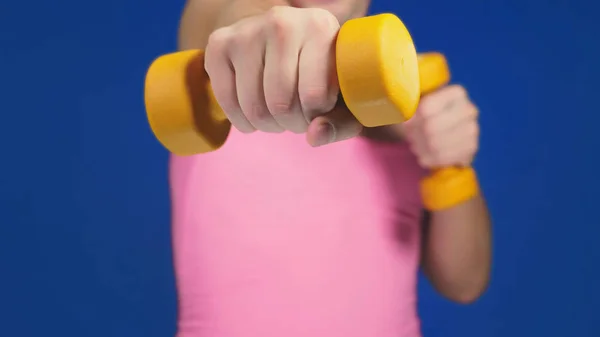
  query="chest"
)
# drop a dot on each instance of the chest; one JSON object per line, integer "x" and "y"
{"x": 270, "y": 216}
{"x": 275, "y": 188}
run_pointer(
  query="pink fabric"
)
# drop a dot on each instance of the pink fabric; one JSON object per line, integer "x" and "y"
{"x": 274, "y": 238}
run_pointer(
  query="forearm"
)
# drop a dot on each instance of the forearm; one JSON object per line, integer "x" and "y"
{"x": 201, "y": 17}
{"x": 457, "y": 250}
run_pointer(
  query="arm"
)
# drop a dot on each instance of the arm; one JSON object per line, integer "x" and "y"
{"x": 456, "y": 242}
{"x": 201, "y": 17}
{"x": 457, "y": 250}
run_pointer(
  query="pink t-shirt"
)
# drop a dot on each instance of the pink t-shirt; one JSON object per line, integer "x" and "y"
{"x": 274, "y": 238}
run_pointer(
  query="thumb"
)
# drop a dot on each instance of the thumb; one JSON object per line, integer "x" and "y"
{"x": 337, "y": 125}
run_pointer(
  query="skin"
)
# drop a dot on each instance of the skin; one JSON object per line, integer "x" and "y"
{"x": 271, "y": 65}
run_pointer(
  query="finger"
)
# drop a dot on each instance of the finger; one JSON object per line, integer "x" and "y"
{"x": 454, "y": 116}
{"x": 318, "y": 88}
{"x": 248, "y": 63}
{"x": 335, "y": 126}
{"x": 456, "y": 147}
{"x": 219, "y": 68}
{"x": 441, "y": 100}
{"x": 281, "y": 74}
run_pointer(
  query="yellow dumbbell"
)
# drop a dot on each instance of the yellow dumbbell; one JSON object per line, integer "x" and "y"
{"x": 381, "y": 79}
{"x": 186, "y": 118}
{"x": 448, "y": 186}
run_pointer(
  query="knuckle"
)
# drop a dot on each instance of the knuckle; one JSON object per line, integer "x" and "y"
{"x": 219, "y": 39}
{"x": 426, "y": 107}
{"x": 242, "y": 38}
{"x": 216, "y": 48}
{"x": 278, "y": 21}
{"x": 322, "y": 21}
{"x": 278, "y": 11}
{"x": 317, "y": 99}
{"x": 279, "y": 107}
{"x": 458, "y": 90}
{"x": 256, "y": 113}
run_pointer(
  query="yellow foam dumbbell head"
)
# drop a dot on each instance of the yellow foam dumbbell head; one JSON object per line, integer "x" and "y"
{"x": 378, "y": 70}
{"x": 180, "y": 106}
{"x": 434, "y": 72}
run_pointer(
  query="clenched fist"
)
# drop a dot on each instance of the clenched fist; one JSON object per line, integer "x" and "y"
{"x": 276, "y": 71}
{"x": 444, "y": 130}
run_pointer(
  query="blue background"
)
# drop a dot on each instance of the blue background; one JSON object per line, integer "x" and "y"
{"x": 84, "y": 209}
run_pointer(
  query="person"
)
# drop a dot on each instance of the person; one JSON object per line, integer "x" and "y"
{"x": 305, "y": 223}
